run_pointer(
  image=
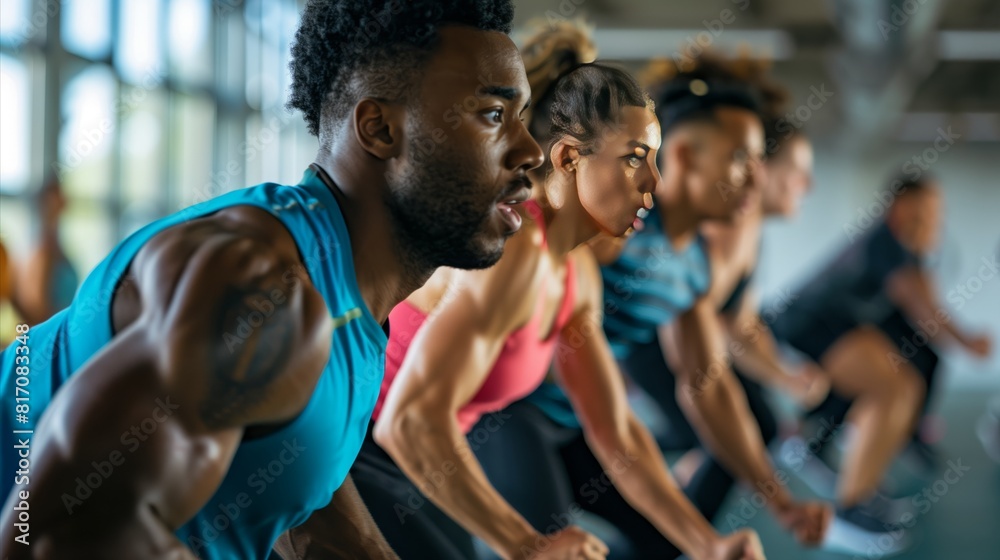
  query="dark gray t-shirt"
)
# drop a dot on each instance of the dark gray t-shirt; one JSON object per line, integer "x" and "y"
{"x": 851, "y": 288}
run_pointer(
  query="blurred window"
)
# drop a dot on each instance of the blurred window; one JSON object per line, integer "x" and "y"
{"x": 88, "y": 137}
{"x": 86, "y": 27}
{"x": 14, "y": 139}
{"x": 188, "y": 40}
{"x": 157, "y": 104}
{"x": 138, "y": 51}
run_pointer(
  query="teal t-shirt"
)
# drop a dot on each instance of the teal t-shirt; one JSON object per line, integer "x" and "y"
{"x": 649, "y": 285}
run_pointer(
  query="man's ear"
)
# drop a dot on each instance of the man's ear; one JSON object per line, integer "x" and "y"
{"x": 378, "y": 127}
{"x": 680, "y": 152}
{"x": 565, "y": 157}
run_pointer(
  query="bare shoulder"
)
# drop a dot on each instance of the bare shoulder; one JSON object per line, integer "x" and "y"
{"x": 235, "y": 316}
{"x": 509, "y": 284}
{"x": 589, "y": 284}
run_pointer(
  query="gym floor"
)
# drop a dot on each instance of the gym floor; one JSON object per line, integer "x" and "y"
{"x": 962, "y": 524}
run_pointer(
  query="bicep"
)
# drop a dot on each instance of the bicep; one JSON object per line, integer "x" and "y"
{"x": 585, "y": 364}
{"x": 119, "y": 422}
{"x": 699, "y": 342}
{"x": 912, "y": 290}
{"x": 746, "y": 315}
{"x": 591, "y": 376}
{"x": 164, "y": 403}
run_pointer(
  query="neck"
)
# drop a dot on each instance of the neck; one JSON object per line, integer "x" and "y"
{"x": 677, "y": 212}
{"x": 385, "y": 272}
{"x": 567, "y": 224}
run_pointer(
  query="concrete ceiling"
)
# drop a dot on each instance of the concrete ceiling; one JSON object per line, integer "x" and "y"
{"x": 885, "y": 59}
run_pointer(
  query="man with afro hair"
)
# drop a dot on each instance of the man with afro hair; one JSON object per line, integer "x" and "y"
{"x": 212, "y": 381}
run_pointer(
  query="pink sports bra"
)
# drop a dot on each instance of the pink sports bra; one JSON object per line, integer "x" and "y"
{"x": 521, "y": 366}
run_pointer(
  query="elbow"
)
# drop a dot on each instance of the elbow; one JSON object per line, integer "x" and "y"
{"x": 697, "y": 393}
{"x": 390, "y": 431}
{"x": 399, "y": 431}
{"x": 615, "y": 439}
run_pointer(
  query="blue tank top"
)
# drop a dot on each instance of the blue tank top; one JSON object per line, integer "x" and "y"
{"x": 63, "y": 283}
{"x": 648, "y": 286}
{"x": 274, "y": 482}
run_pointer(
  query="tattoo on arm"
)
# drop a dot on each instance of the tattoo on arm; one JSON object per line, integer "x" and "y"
{"x": 258, "y": 337}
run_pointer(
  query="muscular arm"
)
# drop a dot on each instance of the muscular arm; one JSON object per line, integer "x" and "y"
{"x": 621, "y": 443}
{"x": 713, "y": 400}
{"x": 912, "y": 289}
{"x": 755, "y": 352}
{"x": 343, "y": 529}
{"x": 449, "y": 359}
{"x": 172, "y": 364}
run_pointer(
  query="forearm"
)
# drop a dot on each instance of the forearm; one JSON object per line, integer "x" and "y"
{"x": 757, "y": 357}
{"x": 913, "y": 292}
{"x": 31, "y": 295}
{"x": 637, "y": 469}
{"x": 720, "y": 414}
{"x": 128, "y": 516}
{"x": 429, "y": 448}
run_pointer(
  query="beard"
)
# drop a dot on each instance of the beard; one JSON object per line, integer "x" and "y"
{"x": 441, "y": 210}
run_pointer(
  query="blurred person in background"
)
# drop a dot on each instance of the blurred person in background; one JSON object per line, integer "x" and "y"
{"x": 867, "y": 318}
{"x": 733, "y": 247}
{"x": 10, "y": 311}
{"x": 47, "y": 281}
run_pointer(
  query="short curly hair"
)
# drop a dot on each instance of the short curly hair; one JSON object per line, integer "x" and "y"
{"x": 347, "y": 49}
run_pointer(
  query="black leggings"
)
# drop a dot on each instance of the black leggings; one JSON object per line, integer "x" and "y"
{"x": 548, "y": 473}
{"x": 711, "y": 483}
{"x": 414, "y": 527}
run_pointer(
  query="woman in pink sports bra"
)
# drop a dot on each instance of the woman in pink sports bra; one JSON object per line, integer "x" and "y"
{"x": 471, "y": 342}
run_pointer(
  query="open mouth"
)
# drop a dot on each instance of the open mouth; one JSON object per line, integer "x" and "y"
{"x": 513, "y": 198}
{"x": 507, "y": 205}
{"x": 640, "y": 215}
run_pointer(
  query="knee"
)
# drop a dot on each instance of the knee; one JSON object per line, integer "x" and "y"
{"x": 913, "y": 387}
